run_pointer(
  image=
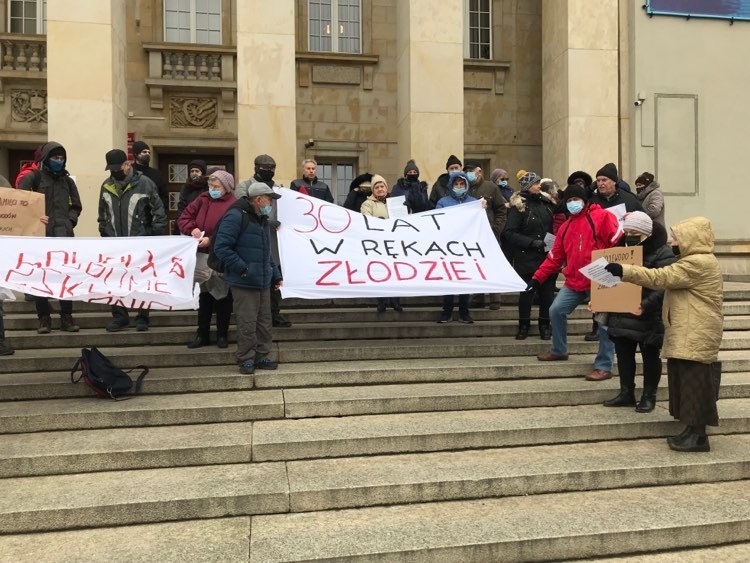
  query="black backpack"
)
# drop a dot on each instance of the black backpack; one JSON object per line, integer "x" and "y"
{"x": 101, "y": 375}
{"x": 213, "y": 261}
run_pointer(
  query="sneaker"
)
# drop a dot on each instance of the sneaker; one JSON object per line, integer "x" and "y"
{"x": 5, "y": 349}
{"x": 67, "y": 324}
{"x": 445, "y": 317}
{"x": 266, "y": 363}
{"x": 465, "y": 318}
{"x": 45, "y": 324}
{"x": 117, "y": 325}
{"x": 247, "y": 367}
{"x": 141, "y": 325}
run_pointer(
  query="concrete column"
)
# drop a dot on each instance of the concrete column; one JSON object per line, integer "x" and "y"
{"x": 430, "y": 83}
{"x": 86, "y": 91}
{"x": 266, "y": 89}
{"x": 580, "y": 93}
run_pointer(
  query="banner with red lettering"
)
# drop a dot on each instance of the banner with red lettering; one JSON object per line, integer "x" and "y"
{"x": 329, "y": 251}
{"x": 133, "y": 272}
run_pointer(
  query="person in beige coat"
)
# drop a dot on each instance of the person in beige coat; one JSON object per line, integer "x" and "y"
{"x": 692, "y": 315}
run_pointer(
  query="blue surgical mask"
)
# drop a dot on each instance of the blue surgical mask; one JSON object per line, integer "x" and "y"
{"x": 472, "y": 176}
{"x": 56, "y": 165}
{"x": 574, "y": 207}
{"x": 266, "y": 210}
{"x": 459, "y": 192}
{"x": 214, "y": 194}
{"x": 503, "y": 183}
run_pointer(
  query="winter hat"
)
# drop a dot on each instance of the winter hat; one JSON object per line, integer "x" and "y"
{"x": 609, "y": 170}
{"x": 226, "y": 179}
{"x": 455, "y": 175}
{"x": 453, "y": 159}
{"x": 264, "y": 160}
{"x": 378, "y": 178}
{"x": 411, "y": 166}
{"x": 545, "y": 180}
{"x": 580, "y": 175}
{"x": 638, "y": 221}
{"x": 528, "y": 180}
{"x": 520, "y": 174}
{"x": 201, "y": 164}
{"x": 574, "y": 190}
{"x": 497, "y": 173}
{"x": 644, "y": 179}
{"x": 139, "y": 147}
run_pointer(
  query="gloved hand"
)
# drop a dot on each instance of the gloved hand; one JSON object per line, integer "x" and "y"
{"x": 614, "y": 269}
{"x": 538, "y": 245}
{"x": 533, "y": 286}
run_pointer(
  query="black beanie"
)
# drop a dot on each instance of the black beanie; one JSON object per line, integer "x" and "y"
{"x": 139, "y": 147}
{"x": 453, "y": 159}
{"x": 580, "y": 175}
{"x": 574, "y": 190}
{"x": 198, "y": 164}
{"x": 609, "y": 170}
{"x": 644, "y": 179}
{"x": 411, "y": 166}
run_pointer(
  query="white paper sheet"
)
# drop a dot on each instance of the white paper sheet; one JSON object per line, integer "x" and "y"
{"x": 397, "y": 207}
{"x": 618, "y": 211}
{"x": 596, "y": 272}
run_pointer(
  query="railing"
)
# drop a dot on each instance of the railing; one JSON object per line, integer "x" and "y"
{"x": 198, "y": 63}
{"x": 23, "y": 53}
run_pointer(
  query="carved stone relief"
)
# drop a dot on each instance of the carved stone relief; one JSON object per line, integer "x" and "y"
{"x": 29, "y": 106}
{"x": 193, "y": 112}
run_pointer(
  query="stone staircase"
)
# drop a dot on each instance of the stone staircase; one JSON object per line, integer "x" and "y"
{"x": 381, "y": 437}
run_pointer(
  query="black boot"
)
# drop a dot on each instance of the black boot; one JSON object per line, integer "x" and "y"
{"x": 223, "y": 315}
{"x": 545, "y": 330}
{"x": 523, "y": 329}
{"x": 593, "y": 336}
{"x": 648, "y": 400}
{"x": 200, "y": 340}
{"x": 625, "y": 398}
{"x": 694, "y": 439}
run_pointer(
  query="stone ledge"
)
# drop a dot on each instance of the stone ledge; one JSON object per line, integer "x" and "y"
{"x": 485, "y": 75}
{"x": 335, "y": 68}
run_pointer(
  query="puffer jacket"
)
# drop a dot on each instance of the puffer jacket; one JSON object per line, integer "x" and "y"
{"x": 204, "y": 214}
{"x": 591, "y": 229}
{"x": 450, "y": 200}
{"x": 62, "y": 204}
{"x": 529, "y": 219}
{"x": 246, "y": 255}
{"x": 135, "y": 212}
{"x": 652, "y": 201}
{"x": 374, "y": 208}
{"x": 647, "y": 327}
{"x": 692, "y": 310}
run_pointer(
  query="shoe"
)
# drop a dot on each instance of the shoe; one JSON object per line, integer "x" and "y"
{"x": 445, "y": 318}
{"x": 118, "y": 324}
{"x": 45, "y": 324}
{"x": 550, "y": 357}
{"x": 279, "y": 321}
{"x": 494, "y": 306}
{"x": 600, "y": 375}
{"x": 266, "y": 363}
{"x": 647, "y": 402}
{"x": 141, "y": 325}
{"x": 523, "y": 330}
{"x": 465, "y": 318}
{"x": 5, "y": 349}
{"x": 222, "y": 342}
{"x": 625, "y": 398}
{"x": 247, "y": 367}
{"x": 67, "y": 324}
{"x": 199, "y": 341}
{"x": 545, "y": 330}
{"x": 692, "y": 441}
{"x": 381, "y": 308}
{"x": 593, "y": 336}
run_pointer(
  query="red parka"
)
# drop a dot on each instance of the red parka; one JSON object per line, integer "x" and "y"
{"x": 205, "y": 213}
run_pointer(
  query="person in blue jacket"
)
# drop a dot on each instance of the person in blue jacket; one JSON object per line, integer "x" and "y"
{"x": 243, "y": 244}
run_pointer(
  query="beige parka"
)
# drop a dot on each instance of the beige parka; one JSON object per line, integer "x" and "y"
{"x": 692, "y": 310}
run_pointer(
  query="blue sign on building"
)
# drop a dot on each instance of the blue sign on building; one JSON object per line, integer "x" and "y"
{"x": 717, "y": 9}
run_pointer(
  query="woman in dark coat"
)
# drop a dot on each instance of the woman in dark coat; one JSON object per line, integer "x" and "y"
{"x": 359, "y": 190}
{"x": 646, "y": 329}
{"x": 529, "y": 221}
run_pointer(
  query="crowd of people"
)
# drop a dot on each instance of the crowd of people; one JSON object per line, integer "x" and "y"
{"x": 541, "y": 229}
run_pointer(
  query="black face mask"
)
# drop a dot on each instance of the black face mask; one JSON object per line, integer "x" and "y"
{"x": 119, "y": 175}
{"x": 632, "y": 241}
{"x": 265, "y": 175}
{"x": 144, "y": 160}
{"x": 412, "y": 178}
{"x": 676, "y": 250}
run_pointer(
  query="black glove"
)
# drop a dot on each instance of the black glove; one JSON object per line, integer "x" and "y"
{"x": 614, "y": 269}
{"x": 538, "y": 245}
{"x": 533, "y": 286}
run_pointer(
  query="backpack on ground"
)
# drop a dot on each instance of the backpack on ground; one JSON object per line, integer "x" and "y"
{"x": 103, "y": 377}
{"x": 214, "y": 262}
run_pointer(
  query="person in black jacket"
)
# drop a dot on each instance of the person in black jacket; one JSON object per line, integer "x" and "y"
{"x": 359, "y": 190}
{"x": 610, "y": 193}
{"x": 142, "y": 155}
{"x": 645, "y": 329}
{"x": 309, "y": 183}
{"x": 440, "y": 187}
{"x": 529, "y": 221}
{"x": 414, "y": 190}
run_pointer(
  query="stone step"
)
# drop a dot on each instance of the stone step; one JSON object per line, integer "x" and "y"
{"x": 550, "y": 527}
{"x": 732, "y": 553}
{"x": 276, "y": 440}
{"x": 80, "y": 451}
{"x": 59, "y": 502}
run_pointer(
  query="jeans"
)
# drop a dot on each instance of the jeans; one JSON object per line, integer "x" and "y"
{"x": 564, "y": 304}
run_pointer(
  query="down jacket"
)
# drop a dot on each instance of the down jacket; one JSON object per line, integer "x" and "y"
{"x": 692, "y": 311}
{"x": 204, "y": 214}
{"x": 652, "y": 201}
{"x": 136, "y": 212}
{"x": 529, "y": 219}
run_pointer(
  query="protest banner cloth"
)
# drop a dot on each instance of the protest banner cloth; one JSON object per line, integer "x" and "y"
{"x": 328, "y": 251}
{"x": 132, "y": 272}
{"x": 20, "y": 211}
{"x": 623, "y": 297}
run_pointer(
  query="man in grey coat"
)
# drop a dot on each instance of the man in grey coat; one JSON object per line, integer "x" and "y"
{"x": 648, "y": 192}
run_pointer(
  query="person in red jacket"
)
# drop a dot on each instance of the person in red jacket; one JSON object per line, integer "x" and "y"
{"x": 588, "y": 228}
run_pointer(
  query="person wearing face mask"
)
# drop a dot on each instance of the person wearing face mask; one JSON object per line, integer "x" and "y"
{"x": 588, "y": 228}
{"x": 200, "y": 220}
{"x": 499, "y": 176}
{"x": 414, "y": 190}
{"x": 309, "y": 183}
{"x": 251, "y": 272}
{"x": 643, "y": 328}
{"x": 142, "y": 155}
{"x": 648, "y": 192}
{"x": 129, "y": 206}
{"x": 440, "y": 187}
{"x": 693, "y": 321}
{"x": 195, "y": 185}
{"x": 62, "y": 209}
{"x": 359, "y": 190}
{"x": 265, "y": 169}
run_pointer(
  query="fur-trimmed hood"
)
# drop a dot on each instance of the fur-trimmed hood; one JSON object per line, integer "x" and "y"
{"x": 518, "y": 199}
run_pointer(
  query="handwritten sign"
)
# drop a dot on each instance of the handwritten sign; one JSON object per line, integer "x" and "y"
{"x": 20, "y": 211}
{"x": 133, "y": 272}
{"x": 623, "y": 297}
{"x": 329, "y": 251}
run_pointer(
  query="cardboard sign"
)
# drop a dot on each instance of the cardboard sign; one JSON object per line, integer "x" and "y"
{"x": 20, "y": 211}
{"x": 624, "y": 297}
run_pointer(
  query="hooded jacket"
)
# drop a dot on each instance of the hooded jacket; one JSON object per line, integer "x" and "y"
{"x": 316, "y": 188}
{"x": 692, "y": 310}
{"x": 204, "y": 214}
{"x": 62, "y": 203}
{"x": 135, "y": 212}
{"x": 652, "y": 201}
{"x": 591, "y": 229}
{"x": 529, "y": 219}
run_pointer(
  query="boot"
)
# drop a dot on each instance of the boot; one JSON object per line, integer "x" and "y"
{"x": 593, "y": 336}
{"x": 67, "y": 324}
{"x": 45, "y": 324}
{"x": 648, "y": 400}
{"x": 693, "y": 440}
{"x": 5, "y": 348}
{"x": 223, "y": 316}
{"x": 625, "y": 398}
{"x": 523, "y": 329}
{"x": 545, "y": 330}
{"x": 200, "y": 340}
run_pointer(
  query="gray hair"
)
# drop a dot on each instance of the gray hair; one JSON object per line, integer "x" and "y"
{"x": 308, "y": 160}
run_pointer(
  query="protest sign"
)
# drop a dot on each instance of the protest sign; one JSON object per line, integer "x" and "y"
{"x": 329, "y": 251}
{"x": 20, "y": 211}
{"x": 623, "y": 297}
{"x": 132, "y": 272}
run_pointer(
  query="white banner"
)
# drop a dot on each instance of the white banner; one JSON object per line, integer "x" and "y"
{"x": 329, "y": 251}
{"x": 133, "y": 272}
